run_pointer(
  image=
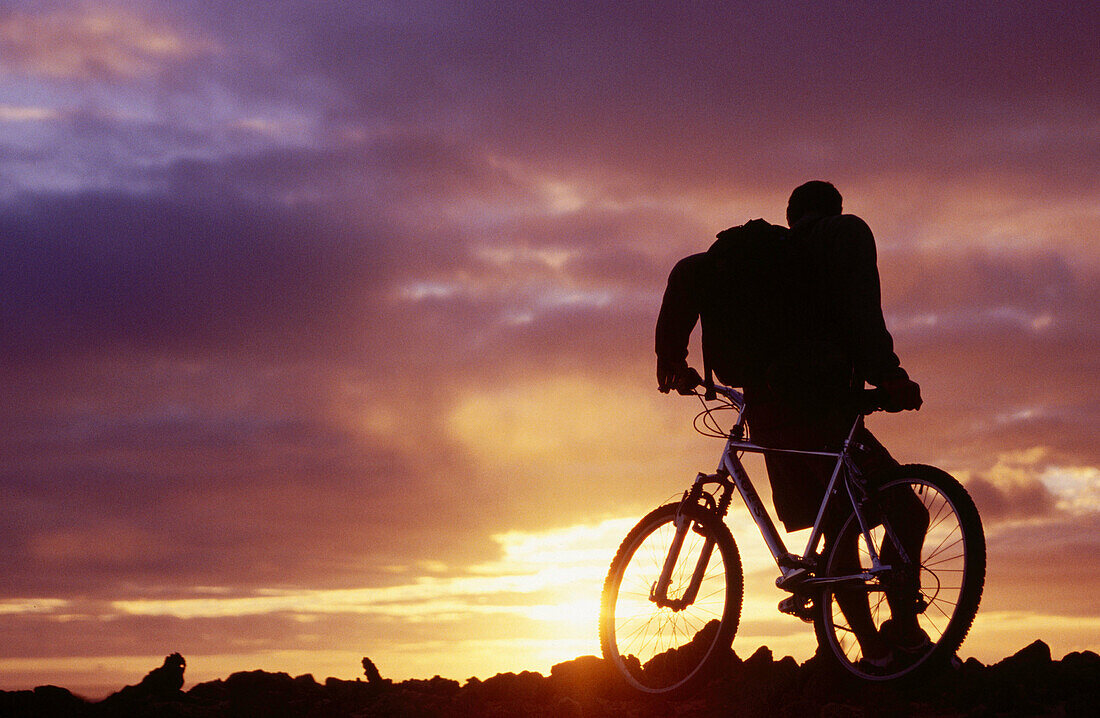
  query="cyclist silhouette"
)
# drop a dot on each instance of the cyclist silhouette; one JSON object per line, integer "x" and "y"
{"x": 823, "y": 339}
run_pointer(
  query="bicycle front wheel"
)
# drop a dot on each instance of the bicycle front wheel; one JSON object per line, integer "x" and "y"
{"x": 949, "y": 579}
{"x": 666, "y": 647}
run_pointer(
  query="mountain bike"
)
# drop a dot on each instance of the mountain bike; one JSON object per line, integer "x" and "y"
{"x": 672, "y": 598}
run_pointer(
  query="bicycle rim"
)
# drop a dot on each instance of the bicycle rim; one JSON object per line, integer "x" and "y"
{"x": 951, "y": 577}
{"x": 658, "y": 649}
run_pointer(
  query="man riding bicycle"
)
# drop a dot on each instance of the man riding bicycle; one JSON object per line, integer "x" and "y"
{"x": 794, "y": 317}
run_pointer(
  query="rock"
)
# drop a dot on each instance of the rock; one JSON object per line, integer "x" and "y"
{"x": 1027, "y": 683}
{"x": 258, "y": 693}
{"x": 1077, "y": 678}
{"x": 43, "y": 701}
{"x": 1085, "y": 664}
{"x": 1019, "y": 682}
{"x": 306, "y": 680}
{"x": 1036, "y": 656}
{"x": 209, "y": 692}
{"x": 586, "y": 677}
{"x": 567, "y": 707}
{"x": 841, "y": 710}
{"x": 525, "y": 686}
{"x": 371, "y": 671}
{"x": 971, "y": 665}
{"x": 159, "y": 687}
{"x": 761, "y": 657}
{"x": 168, "y": 678}
{"x": 436, "y": 685}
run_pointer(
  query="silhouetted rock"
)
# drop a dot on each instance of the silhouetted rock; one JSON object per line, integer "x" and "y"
{"x": 1079, "y": 680}
{"x": 349, "y": 697}
{"x": 209, "y": 692}
{"x": 1079, "y": 667}
{"x": 159, "y": 687}
{"x": 168, "y": 678}
{"x": 43, "y": 701}
{"x": 436, "y": 685}
{"x": 586, "y": 678}
{"x": 1035, "y": 657}
{"x": 760, "y": 685}
{"x": 1025, "y": 684}
{"x": 372, "y": 674}
{"x": 257, "y": 693}
{"x": 524, "y": 686}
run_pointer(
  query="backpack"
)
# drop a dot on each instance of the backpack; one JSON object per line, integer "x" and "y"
{"x": 754, "y": 300}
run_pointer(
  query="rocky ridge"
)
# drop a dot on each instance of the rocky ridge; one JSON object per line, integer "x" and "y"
{"x": 1029, "y": 683}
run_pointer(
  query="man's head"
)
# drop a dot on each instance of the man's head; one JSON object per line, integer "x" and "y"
{"x": 814, "y": 197}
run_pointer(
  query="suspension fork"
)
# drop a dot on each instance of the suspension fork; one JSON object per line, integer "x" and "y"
{"x": 658, "y": 593}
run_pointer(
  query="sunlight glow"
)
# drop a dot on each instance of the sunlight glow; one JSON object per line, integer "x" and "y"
{"x": 1077, "y": 487}
{"x": 32, "y": 605}
{"x": 559, "y": 573}
{"x": 555, "y": 419}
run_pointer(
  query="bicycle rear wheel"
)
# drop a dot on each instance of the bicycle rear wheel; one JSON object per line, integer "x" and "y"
{"x": 951, "y": 577}
{"x": 667, "y": 650}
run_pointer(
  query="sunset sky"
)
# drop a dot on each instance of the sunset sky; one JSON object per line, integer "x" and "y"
{"x": 327, "y": 326}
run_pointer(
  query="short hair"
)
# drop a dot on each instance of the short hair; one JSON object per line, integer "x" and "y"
{"x": 816, "y": 197}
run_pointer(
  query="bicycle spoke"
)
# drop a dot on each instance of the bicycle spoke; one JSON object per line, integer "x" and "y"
{"x": 933, "y": 623}
{"x": 936, "y": 605}
{"x": 938, "y": 601}
{"x": 715, "y": 592}
{"x": 845, "y": 628}
{"x": 941, "y": 548}
{"x": 657, "y": 636}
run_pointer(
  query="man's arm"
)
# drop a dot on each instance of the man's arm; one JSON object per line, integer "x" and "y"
{"x": 871, "y": 340}
{"x": 679, "y": 313}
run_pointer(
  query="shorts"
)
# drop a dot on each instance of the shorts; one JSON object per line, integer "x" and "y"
{"x": 799, "y": 482}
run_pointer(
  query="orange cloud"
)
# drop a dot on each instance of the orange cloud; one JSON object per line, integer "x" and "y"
{"x": 90, "y": 44}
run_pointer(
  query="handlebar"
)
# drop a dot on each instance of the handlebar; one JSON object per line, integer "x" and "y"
{"x": 736, "y": 397}
{"x": 864, "y": 401}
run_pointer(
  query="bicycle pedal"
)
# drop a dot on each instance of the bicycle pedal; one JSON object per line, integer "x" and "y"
{"x": 791, "y": 578}
{"x": 798, "y": 606}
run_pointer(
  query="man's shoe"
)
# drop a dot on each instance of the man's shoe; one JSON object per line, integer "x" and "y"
{"x": 791, "y": 578}
{"x": 912, "y": 643}
{"x": 877, "y": 666}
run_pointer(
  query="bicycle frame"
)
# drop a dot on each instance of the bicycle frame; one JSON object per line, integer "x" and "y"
{"x": 731, "y": 474}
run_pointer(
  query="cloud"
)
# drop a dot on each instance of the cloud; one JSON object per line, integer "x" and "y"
{"x": 321, "y": 299}
{"x": 1012, "y": 489}
{"x": 110, "y": 504}
{"x": 703, "y": 94}
{"x": 1029, "y": 566}
{"x": 94, "y": 272}
{"x": 540, "y": 586}
{"x": 103, "y": 44}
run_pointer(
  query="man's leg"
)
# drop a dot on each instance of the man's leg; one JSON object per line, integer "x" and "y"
{"x": 908, "y": 518}
{"x": 854, "y": 601}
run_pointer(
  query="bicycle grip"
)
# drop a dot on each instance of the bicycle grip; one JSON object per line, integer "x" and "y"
{"x": 868, "y": 401}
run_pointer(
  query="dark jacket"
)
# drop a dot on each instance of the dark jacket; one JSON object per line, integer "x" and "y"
{"x": 822, "y": 335}
{"x": 823, "y": 331}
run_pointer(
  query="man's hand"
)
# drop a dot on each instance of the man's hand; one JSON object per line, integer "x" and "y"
{"x": 900, "y": 395}
{"x": 680, "y": 377}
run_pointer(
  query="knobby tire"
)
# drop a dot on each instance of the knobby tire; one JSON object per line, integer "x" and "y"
{"x": 952, "y": 576}
{"x": 658, "y": 650}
